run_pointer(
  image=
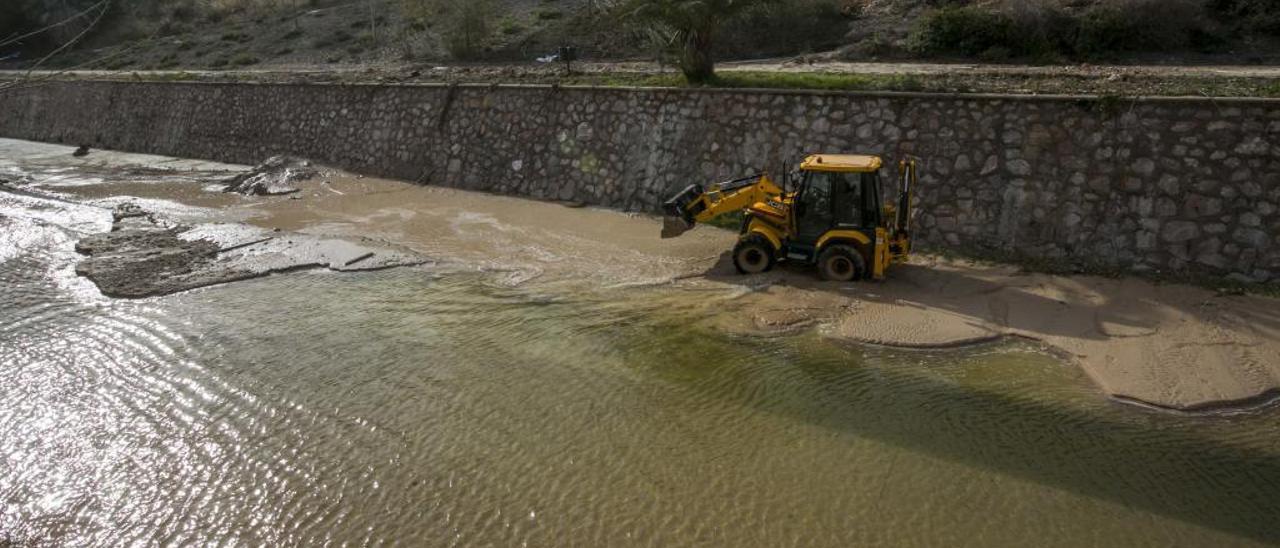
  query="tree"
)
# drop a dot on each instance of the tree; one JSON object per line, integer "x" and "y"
{"x": 51, "y": 26}
{"x": 689, "y": 27}
{"x": 464, "y": 25}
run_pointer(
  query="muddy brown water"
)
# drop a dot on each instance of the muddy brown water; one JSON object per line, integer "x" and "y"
{"x": 446, "y": 405}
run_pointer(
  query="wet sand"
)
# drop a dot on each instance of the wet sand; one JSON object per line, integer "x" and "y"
{"x": 1168, "y": 346}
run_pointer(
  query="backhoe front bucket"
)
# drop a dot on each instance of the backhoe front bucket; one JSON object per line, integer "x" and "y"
{"x": 678, "y": 216}
{"x": 674, "y": 226}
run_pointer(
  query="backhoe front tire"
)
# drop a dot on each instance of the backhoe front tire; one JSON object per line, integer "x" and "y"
{"x": 841, "y": 263}
{"x": 753, "y": 255}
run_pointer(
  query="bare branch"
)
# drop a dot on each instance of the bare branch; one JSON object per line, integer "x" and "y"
{"x": 78, "y": 15}
{"x": 106, "y": 5}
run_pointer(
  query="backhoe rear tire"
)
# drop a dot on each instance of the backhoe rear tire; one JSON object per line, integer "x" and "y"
{"x": 753, "y": 255}
{"x": 841, "y": 263}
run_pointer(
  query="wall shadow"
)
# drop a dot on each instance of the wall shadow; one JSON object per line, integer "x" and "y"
{"x": 1156, "y": 462}
{"x": 1113, "y": 452}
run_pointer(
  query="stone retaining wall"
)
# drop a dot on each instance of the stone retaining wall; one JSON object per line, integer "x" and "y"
{"x": 1181, "y": 185}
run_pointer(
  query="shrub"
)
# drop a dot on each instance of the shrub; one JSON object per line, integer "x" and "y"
{"x": 336, "y": 37}
{"x": 510, "y": 26}
{"x": 243, "y": 58}
{"x": 1040, "y": 28}
{"x": 465, "y": 24}
{"x": 547, "y": 14}
{"x": 1139, "y": 25}
{"x": 966, "y": 30}
{"x": 1250, "y": 15}
{"x": 791, "y": 25}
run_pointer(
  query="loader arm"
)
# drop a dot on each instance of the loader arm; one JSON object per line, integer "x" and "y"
{"x": 695, "y": 205}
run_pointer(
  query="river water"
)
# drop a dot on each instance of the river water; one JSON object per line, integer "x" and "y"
{"x": 448, "y": 406}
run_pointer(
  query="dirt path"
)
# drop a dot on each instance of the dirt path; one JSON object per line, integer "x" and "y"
{"x": 1168, "y": 346}
{"x": 1195, "y": 80}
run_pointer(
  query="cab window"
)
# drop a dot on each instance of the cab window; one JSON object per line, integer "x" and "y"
{"x": 847, "y": 189}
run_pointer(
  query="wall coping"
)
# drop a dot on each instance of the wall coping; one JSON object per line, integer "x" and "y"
{"x": 1048, "y": 98}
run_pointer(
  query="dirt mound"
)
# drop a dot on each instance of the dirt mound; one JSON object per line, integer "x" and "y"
{"x": 274, "y": 176}
{"x": 144, "y": 255}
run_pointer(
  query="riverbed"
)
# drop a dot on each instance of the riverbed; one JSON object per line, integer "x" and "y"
{"x": 567, "y": 384}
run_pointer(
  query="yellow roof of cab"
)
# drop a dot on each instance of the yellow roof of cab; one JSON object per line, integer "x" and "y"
{"x": 841, "y": 162}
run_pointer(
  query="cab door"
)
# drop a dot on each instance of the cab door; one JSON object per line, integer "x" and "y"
{"x": 813, "y": 210}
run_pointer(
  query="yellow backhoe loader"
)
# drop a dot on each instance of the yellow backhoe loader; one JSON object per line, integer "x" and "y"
{"x": 834, "y": 218}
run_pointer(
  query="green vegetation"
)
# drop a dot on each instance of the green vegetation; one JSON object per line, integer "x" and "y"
{"x": 691, "y": 35}
{"x": 465, "y": 24}
{"x": 767, "y": 80}
{"x": 1044, "y": 29}
{"x": 509, "y": 25}
{"x": 548, "y": 13}
{"x": 243, "y": 58}
{"x": 967, "y": 30}
{"x": 1258, "y": 16}
{"x": 689, "y": 28}
{"x": 785, "y": 27}
{"x": 818, "y": 80}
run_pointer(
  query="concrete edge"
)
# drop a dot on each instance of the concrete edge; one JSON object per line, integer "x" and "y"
{"x": 957, "y": 96}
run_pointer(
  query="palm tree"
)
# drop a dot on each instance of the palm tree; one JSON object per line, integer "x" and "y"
{"x": 689, "y": 27}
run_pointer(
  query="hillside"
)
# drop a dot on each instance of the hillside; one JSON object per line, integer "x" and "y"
{"x": 239, "y": 34}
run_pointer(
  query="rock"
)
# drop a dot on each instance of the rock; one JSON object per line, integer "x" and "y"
{"x": 1251, "y": 189}
{"x": 1253, "y": 147}
{"x": 126, "y": 210}
{"x": 1240, "y": 278}
{"x": 1145, "y": 206}
{"x": 274, "y": 176}
{"x": 83, "y": 150}
{"x": 148, "y": 259}
{"x": 1145, "y": 240}
{"x": 992, "y": 164}
{"x": 1179, "y": 231}
{"x": 1252, "y": 237}
{"x": 1020, "y": 167}
{"x": 1144, "y": 167}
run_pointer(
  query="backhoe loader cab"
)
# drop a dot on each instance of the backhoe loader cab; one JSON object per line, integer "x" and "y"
{"x": 835, "y": 217}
